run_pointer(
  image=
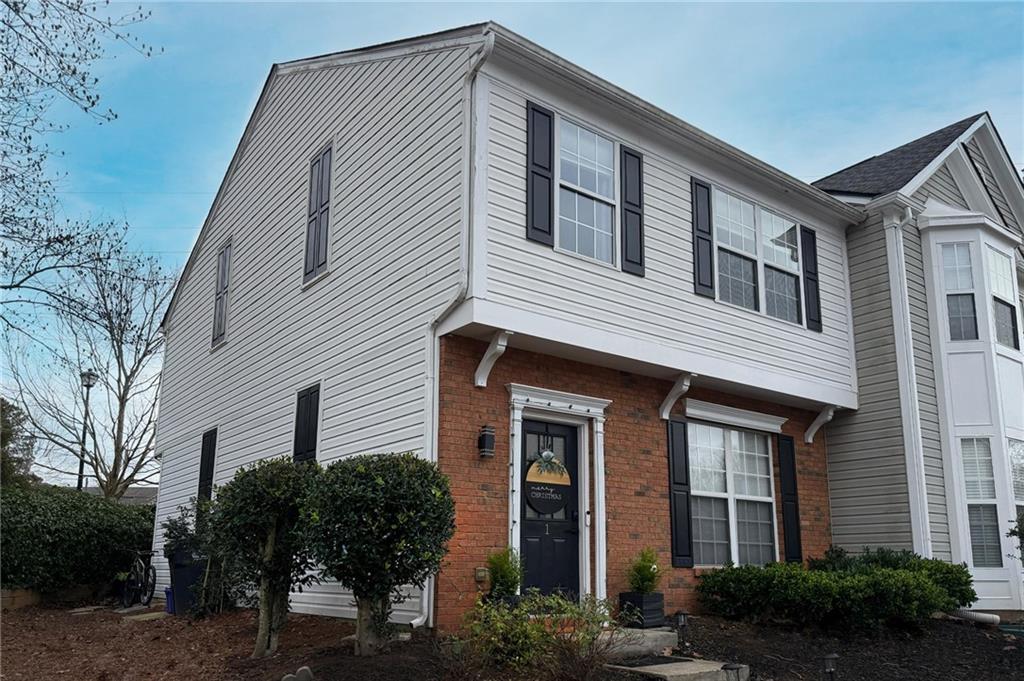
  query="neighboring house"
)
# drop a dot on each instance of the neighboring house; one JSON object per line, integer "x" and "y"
{"x": 933, "y": 460}
{"x": 133, "y": 496}
{"x": 421, "y": 243}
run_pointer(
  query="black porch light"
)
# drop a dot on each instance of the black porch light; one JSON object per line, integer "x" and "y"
{"x": 485, "y": 441}
{"x": 829, "y": 667}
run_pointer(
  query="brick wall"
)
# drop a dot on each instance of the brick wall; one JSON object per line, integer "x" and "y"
{"x": 636, "y": 464}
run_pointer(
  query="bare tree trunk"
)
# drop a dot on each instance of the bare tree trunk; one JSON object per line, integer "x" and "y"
{"x": 278, "y": 619}
{"x": 267, "y": 603}
{"x": 368, "y": 640}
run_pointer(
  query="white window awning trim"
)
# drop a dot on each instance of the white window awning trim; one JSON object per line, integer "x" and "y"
{"x": 731, "y": 416}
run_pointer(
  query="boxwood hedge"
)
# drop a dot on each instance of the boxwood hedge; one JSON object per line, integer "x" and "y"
{"x": 54, "y": 537}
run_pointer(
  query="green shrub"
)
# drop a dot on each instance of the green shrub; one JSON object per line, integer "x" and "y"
{"x": 643, "y": 573}
{"x": 506, "y": 570}
{"x": 830, "y": 599}
{"x": 501, "y": 635}
{"x": 55, "y": 537}
{"x": 379, "y": 522}
{"x": 954, "y": 580}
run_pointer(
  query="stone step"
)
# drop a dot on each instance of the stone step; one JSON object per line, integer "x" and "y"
{"x": 146, "y": 616}
{"x": 687, "y": 669}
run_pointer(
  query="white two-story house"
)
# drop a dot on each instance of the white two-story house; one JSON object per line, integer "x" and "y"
{"x": 465, "y": 246}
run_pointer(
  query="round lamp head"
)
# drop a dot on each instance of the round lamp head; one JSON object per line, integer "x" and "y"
{"x": 89, "y": 378}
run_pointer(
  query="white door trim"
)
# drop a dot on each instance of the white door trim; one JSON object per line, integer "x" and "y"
{"x": 579, "y": 410}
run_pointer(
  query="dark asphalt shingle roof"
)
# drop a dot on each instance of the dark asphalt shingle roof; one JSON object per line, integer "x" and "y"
{"x": 892, "y": 170}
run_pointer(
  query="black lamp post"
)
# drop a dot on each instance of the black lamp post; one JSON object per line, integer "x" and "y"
{"x": 829, "y": 667}
{"x": 682, "y": 622}
{"x": 89, "y": 378}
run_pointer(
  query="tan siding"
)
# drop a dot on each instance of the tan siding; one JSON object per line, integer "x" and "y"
{"x": 942, "y": 186}
{"x": 396, "y": 127}
{"x": 866, "y": 462}
{"x": 995, "y": 192}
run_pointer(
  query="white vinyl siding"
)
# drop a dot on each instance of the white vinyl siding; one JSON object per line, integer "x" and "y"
{"x": 660, "y": 307}
{"x": 397, "y": 196}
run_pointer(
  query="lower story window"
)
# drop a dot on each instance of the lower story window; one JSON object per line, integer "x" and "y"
{"x": 733, "y": 512}
{"x": 979, "y": 487}
{"x": 986, "y": 548}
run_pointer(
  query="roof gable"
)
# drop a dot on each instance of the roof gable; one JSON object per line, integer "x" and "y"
{"x": 892, "y": 170}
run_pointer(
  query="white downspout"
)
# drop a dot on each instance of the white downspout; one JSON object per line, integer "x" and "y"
{"x": 906, "y": 373}
{"x": 432, "y": 342}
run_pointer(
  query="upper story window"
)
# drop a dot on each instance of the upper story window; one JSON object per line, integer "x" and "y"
{"x": 220, "y": 298}
{"x": 958, "y": 278}
{"x": 740, "y": 228}
{"x": 586, "y": 193}
{"x": 318, "y": 215}
{"x": 1004, "y": 312}
{"x": 733, "y": 508}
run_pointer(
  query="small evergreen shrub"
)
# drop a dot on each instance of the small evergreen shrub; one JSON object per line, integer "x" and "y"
{"x": 644, "y": 576}
{"x": 506, "y": 570}
{"x": 828, "y": 599}
{"x": 52, "y": 538}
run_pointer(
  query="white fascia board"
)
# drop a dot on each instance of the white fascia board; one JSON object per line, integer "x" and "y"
{"x": 969, "y": 184}
{"x": 939, "y": 216}
{"x": 1002, "y": 167}
{"x": 926, "y": 172}
{"x": 674, "y": 360}
{"x": 731, "y": 416}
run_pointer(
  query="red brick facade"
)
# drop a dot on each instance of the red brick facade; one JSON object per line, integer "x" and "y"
{"x": 636, "y": 465}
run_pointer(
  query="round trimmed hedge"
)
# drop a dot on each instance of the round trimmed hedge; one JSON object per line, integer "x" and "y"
{"x": 55, "y": 537}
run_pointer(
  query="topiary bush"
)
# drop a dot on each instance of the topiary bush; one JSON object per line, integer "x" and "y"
{"x": 644, "y": 576}
{"x": 829, "y": 599}
{"x": 257, "y": 518}
{"x": 52, "y": 538}
{"x": 379, "y": 522}
{"x": 506, "y": 571}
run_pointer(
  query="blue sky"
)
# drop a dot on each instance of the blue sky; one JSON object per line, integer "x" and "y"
{"x": 809, "y": 88}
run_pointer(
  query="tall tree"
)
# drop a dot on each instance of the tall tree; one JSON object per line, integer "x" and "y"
{"x": 16, "y": 444}
{"x": 121, "y": 341}
{"x": 47, "y": 51}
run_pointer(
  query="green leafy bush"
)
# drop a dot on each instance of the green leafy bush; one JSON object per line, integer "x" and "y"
{"x": 644, "y": 576}
{"x": 55, "y": 537}
{"x": 833, "y": 599}
{"x": 379, "y": 522}
{"x": 506, "y": 571}
{"x": 536, "y": 637}
{"x": 954, "y": 580}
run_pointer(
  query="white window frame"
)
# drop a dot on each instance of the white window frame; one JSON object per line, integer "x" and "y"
{"x": 614, "y": 202}
{"x": 992, "y": 254}
{"x": 760, "y": 263}
{"x": 732, "y": 497}
{"x": 947, "y": 292}
{"x": 992, "y": 501}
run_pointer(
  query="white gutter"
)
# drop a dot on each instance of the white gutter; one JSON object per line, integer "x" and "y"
{"x": 913, "y": 445}
{"x": 433, "y": 342}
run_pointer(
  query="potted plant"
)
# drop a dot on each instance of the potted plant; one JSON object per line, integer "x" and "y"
{"x": 506, "y": 574}
{"x": 642, "y": 606}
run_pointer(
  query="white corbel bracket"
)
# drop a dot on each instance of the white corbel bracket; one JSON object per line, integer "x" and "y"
{"x": 824, "y": 416}
{"x": 499, "y": 341}
{"x": 679, "y": 389}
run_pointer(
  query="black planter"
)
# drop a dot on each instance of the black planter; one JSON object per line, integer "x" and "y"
{"x": 186, "y": 573}
{"x": 642, "y": 611}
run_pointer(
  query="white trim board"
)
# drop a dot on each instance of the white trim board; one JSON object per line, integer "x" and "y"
{"x": 731, "y": 416}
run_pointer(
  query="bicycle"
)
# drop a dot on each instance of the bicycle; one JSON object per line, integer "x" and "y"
{"x": 141, "y": 581}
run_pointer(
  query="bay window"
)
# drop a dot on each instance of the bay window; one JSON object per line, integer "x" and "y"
{"x": 733, "y": 508}
{"x": 982, "y": 510}
{"x": 1004, "y": 312}
{"x": 958, "y": 278}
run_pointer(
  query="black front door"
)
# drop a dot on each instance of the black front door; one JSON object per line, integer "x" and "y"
{"x": 550, "y": 508}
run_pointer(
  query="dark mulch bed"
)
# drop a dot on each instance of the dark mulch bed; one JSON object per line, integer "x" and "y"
{"x": 50, "y": 643}
{"x": 944, "y": 649}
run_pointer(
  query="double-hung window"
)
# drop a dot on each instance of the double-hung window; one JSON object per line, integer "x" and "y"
{"x": 1016, "y": 449}
{"x": 220, "y": 299}
{"x": 751, "y": 240}
{"x": 982, "y": 510}
{"x": 732, "y": 503}
{"x": 586, "y": 193}
{"x": 958, "y": 280}
{"x": 1004, "y": 312}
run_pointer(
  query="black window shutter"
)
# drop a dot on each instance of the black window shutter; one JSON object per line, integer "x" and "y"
{"x": 679, "y": 494}
{"x": 790, "y": 504}
{"x": 812, "y": 295}
{"x": 313, "y": 213}
{"x": 206, "y": 464}
{"x": 323, "y": 219}
{"x": 540, "y": 182}
{"x": 703, "y": 243}
{"x": 632, "y": 167}
{"x": 307, "y": 412}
